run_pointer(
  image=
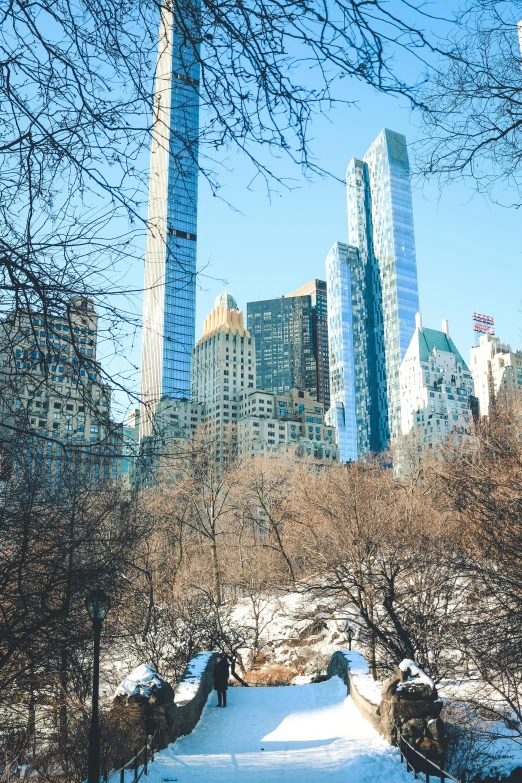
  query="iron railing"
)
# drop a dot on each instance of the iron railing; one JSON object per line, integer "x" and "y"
{"x": 142, "y": 758}
{"x": 422, "y": 767}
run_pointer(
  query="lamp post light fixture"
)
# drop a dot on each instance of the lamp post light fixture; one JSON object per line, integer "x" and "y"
{"x": 97, "y": 603}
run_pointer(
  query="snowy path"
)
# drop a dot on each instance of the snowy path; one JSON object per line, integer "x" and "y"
{"x": 297, "y": 734}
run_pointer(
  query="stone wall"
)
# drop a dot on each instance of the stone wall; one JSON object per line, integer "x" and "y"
{"x": 353, "y": 670}
{"x": 174, "y": 712}
{"x": 191, "y": 694}
{"x": 408, "y": 699}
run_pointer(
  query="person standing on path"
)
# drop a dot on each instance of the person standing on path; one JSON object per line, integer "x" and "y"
{"x": 221, "y": 674}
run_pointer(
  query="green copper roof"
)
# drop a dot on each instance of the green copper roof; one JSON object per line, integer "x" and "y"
{"x": 429, "y": 339}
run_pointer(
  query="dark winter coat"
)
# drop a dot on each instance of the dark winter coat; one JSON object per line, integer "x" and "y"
{"x": 221, "y": 673}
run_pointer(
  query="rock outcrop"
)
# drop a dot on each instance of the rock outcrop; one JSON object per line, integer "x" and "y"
{"x": 154, "y": 696}
{"x": 409, "y": 700}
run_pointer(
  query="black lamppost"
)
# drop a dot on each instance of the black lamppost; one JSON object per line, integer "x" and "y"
{"x": 349, "y": 634}
{"x": 97, "y": 603}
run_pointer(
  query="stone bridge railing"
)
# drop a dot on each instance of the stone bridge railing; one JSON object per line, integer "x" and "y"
{"x": 174, "y": 712}
{"x": 407, "y": 700}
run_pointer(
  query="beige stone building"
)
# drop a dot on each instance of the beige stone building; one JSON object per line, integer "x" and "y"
{"x": 223, "y": 367}
{"x": 496, "y": 371}
{"x": 235, "y": 415}
{"x": 290, "y": 422}
{"x": 55, "y": 412}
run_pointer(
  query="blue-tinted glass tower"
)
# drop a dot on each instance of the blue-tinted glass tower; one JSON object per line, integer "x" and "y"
{"x": 341, "y": 414}
{"x": 170, "y": 260}
{"x": 384, "y": 290}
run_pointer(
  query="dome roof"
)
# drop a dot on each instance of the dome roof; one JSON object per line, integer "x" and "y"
{"x": 226, "y": 300}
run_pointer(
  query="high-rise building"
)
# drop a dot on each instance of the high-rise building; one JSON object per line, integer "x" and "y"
{"x": 170, "y": 258}
{"x": 383, "y": 275}
{"x": 283, "y": 331}
{"x": 340, "y": 262}
{"x": 224, "y": 366}
{"x": 436, "y": 389}
{"x": 292, "y": 422}
{"x": 316, "y": 290}
{"x": 55, "y": 424}
{"x": 496, "y": 371}
{"x": 175, "y": 424}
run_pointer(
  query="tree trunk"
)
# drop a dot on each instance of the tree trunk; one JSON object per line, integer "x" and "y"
{"x": 217, "y": 575}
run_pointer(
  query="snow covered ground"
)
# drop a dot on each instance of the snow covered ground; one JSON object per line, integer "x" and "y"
{"x": 297, "y": 734}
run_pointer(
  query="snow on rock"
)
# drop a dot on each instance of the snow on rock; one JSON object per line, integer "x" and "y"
{"x": 417, "y": 676}
{"x": 146, "y": 689}
{"x": 140, "y": 682}
{"x": 361, "y": 677}
{"x": 301, "y": 679}
{"x": 190, "y": 682}
{"x": 268, "y": 735}
{"x": 297, "y": 632}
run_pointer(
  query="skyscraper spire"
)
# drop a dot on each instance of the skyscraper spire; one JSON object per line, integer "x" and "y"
{"x": 170, "y": 259}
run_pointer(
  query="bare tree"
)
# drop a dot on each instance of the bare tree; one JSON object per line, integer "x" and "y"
{"x": 485, "y": 488}
{"x": 265, "y": 500}
{"x": 377, "y": 552}
{"x": 56, "y": 549}
{"x": 473, "y": 119}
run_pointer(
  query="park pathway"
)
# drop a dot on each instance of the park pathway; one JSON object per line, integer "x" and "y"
{"x": 295, "y": 734}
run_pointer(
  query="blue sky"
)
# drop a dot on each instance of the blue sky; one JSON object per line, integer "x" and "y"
{"x": 468, "y": 250}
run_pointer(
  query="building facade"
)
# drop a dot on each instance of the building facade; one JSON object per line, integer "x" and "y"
{"x": 175, "y": 424}
{"x": 170, "y": 259}
{"x": 436, "y": 389}
{"x": 316, "y": 290}
{"x": 283, "y": 332}
{"x": 340, "y": 262}
{"x": 130, "y": 446}
{"x": 384, "y": 284}
{"x": 496, "y": 371}
{"x": 223, "y": 367}
{"x": 55, "y": 418}
{"x": 292, "y": 422}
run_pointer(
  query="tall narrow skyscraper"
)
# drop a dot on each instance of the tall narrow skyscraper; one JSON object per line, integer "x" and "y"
{"x": 383, "y": 280}
{"x": 340, "y": 263}
{"x": 170, "y": 259}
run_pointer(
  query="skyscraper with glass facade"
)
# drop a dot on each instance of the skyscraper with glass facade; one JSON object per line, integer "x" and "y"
{"x": 384, "y": 292}
{"x": 316, "y": 290}
{"x": 283, "y": 331}
{"x": 170, "y": 259}
{"x": 339, "y": 263}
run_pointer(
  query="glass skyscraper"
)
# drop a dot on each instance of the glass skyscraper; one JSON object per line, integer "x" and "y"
{"x": 384, "y": 291}
{"x": 341, "y": 414}
{"x": 283, "y": 331}
{"x": 170, "y": 260}
{"x": 316, "y": 290}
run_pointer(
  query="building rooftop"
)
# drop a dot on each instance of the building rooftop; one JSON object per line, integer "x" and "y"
{"x": 432, "y": 339}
